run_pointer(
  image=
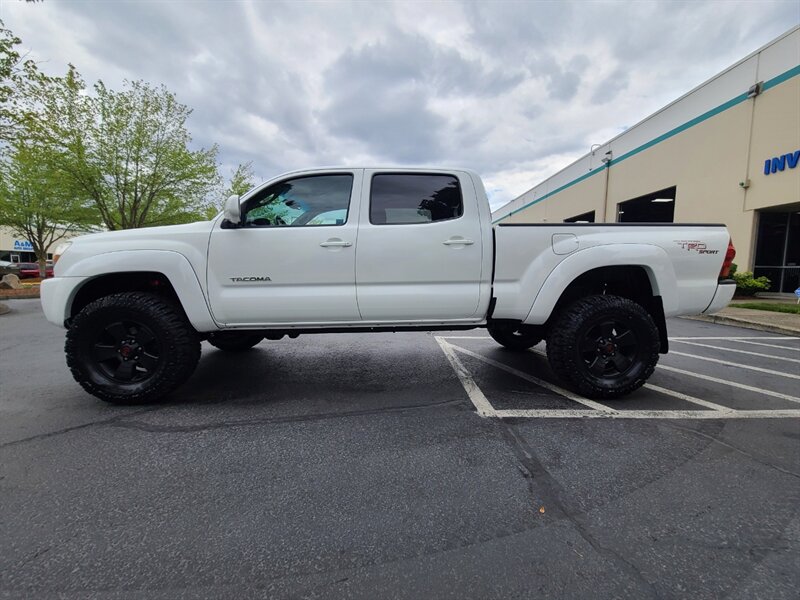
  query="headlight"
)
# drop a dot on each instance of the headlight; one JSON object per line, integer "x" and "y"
{"x": 60, "y": 249}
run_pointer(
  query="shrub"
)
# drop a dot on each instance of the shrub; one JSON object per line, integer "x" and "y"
{"x": 747, "y": 285}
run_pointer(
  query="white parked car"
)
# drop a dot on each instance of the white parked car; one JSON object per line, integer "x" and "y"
{"x": 378, "y": 249}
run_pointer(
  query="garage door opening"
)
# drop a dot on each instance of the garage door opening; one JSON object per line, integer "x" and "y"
{"x": 657, "y": 207}
{"x": 583, "y": 218}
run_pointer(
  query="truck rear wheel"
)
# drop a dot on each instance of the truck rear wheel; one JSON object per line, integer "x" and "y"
{"x": 234, "y": 341}
{"x": 131, "y": 348}
{"x": 514, "y": 336}
{"x": 605, "y": 346}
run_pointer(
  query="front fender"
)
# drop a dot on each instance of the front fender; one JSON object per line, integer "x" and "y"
{"x": 653, "y": 259}
{"x": 173, "y": 265}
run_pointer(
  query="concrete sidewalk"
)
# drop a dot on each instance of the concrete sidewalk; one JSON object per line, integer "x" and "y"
{"x": 761, "y": 320}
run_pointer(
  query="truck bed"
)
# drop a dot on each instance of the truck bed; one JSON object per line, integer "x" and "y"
{"x": 534, "y": 263}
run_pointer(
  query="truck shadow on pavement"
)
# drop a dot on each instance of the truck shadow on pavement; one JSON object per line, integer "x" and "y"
{"x": 335, "y": 372}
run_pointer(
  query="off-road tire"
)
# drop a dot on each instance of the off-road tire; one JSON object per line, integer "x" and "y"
{"x": 234, "y": 341}
{"x": 514, "y": 337}
{"x": 603, "y": 346}
{"x": 164, "y": 351}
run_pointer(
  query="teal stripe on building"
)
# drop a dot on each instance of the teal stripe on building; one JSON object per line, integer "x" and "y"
{"x": 783, "y": 77}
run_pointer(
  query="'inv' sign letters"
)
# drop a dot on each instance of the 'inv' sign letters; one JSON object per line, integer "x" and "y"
{"x": 780, "y": 163}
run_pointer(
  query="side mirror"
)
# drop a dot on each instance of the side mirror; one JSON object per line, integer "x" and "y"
{"x": 232, "y": 212}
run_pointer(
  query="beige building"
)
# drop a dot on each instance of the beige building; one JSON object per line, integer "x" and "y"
{"x": 726, "y": 152}
{"x": 15, "y": 248}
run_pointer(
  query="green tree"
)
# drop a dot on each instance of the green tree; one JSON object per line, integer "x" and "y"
{"x": 13, "y": 69}
{"x": 127, "y": 151}
{"x": 241, "y": 180}
{"x": 9, "y": 59}
{"x": 38, "y": 203}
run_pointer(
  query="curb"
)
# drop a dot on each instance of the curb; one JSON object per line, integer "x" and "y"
{"x": 31, "y": 296}
{"x": 736, "y": 322}
{"x": 4, "y": 309}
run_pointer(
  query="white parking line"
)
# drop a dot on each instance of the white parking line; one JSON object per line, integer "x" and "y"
{"x": 734, "y": 364}
{"x": 728, "y": 337}
{"x": 710, "y": 378}
{"x": 648, "y": 414}
{"x": 482, "y": 405}
{"x": 794, "y": 360}
{"x": 540, "y": 382}
{"x": 738, "y": 337}
{"x": 741, "y": 386}
{"x": 595, "y": 410}
{"x": 687, "y": 398}
{"x": 741, "y": 341}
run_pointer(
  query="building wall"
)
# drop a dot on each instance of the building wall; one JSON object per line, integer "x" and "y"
{"x": 7, "y": 245}
{"x": 709, "y": 144}
{"x": 776, "y": 131}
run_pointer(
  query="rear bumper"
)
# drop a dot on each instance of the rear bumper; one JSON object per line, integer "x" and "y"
{"x": 723, "y": 295}
{"x": 57, "y": 295}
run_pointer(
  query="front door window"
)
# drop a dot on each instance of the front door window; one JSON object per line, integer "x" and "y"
{"x": 303, "y": 202}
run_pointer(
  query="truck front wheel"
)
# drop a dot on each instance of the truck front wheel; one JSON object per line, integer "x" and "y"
{"x": 605, "y": 346}
{"x": 131, "y": 348}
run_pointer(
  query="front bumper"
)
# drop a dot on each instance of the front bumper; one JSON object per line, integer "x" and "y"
{"x": 57, "y": 295}
{"x": 722, "y": 297}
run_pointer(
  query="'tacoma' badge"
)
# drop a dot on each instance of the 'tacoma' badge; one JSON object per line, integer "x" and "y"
{"x": 248, "y": 279}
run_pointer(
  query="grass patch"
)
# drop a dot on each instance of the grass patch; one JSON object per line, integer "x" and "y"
{"x": 781, "y": 308}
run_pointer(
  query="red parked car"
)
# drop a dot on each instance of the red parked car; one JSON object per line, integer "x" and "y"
{"x": 27, "y": 270}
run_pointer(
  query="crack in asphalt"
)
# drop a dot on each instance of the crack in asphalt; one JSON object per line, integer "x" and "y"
{"x": 732, "y": 447}
{"x": 121, "y": 421}
{"x": 110, "y": 420}
{"x": 153, "y": 428}
{"x": 553, "y": 494}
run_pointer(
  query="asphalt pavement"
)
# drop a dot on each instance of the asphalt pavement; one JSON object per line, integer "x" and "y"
{"x": 413, "y": 465}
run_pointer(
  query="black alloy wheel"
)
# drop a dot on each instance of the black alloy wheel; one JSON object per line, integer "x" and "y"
{"x": 609, "y": 348}
{"x": 131, "y": 348}
{"x": 604, "y": 346}
{"x": 126, "y": 351}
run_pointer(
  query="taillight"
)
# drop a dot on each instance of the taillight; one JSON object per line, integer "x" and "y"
{"x": 725, "y": 271}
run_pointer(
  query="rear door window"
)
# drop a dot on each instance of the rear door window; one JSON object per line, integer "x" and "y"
{"x": 405, "y": 198}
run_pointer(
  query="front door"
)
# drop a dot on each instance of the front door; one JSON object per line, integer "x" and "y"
{"x": 292, "y": 260}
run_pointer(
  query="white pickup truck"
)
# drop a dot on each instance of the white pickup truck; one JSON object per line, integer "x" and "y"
{"x": 378, "y": 249}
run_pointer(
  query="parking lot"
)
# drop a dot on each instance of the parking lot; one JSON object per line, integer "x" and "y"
{"x": 409, "y": 465}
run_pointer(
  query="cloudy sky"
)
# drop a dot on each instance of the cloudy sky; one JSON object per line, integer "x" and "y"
{"x": 514, "y": 90}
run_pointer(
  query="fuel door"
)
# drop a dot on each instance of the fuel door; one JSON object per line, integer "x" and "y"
{"x": 565, "y": 243}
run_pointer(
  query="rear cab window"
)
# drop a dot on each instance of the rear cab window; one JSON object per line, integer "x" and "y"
{"x": 414, "y": 198}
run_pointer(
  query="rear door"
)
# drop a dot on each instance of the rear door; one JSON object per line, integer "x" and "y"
{"x": 419, "y": 253}
{"x": 293, "y": 258}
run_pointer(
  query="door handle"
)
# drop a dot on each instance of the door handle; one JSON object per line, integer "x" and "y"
{"x": 336, "y": 243}
{"x": 462, "y": 242}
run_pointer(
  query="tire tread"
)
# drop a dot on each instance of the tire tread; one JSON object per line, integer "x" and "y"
{"x": 563, "y": 338}
{"x": 182, "y": 346}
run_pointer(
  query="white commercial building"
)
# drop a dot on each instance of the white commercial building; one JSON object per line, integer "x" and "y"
{"x": 726, "y": 152}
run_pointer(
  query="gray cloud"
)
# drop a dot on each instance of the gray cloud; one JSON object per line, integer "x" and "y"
{"x": 610, "y": 87}
{"x": 564, "y": 86}
{"x": 514, "y": 90}
{"x": 381, "y": 94}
